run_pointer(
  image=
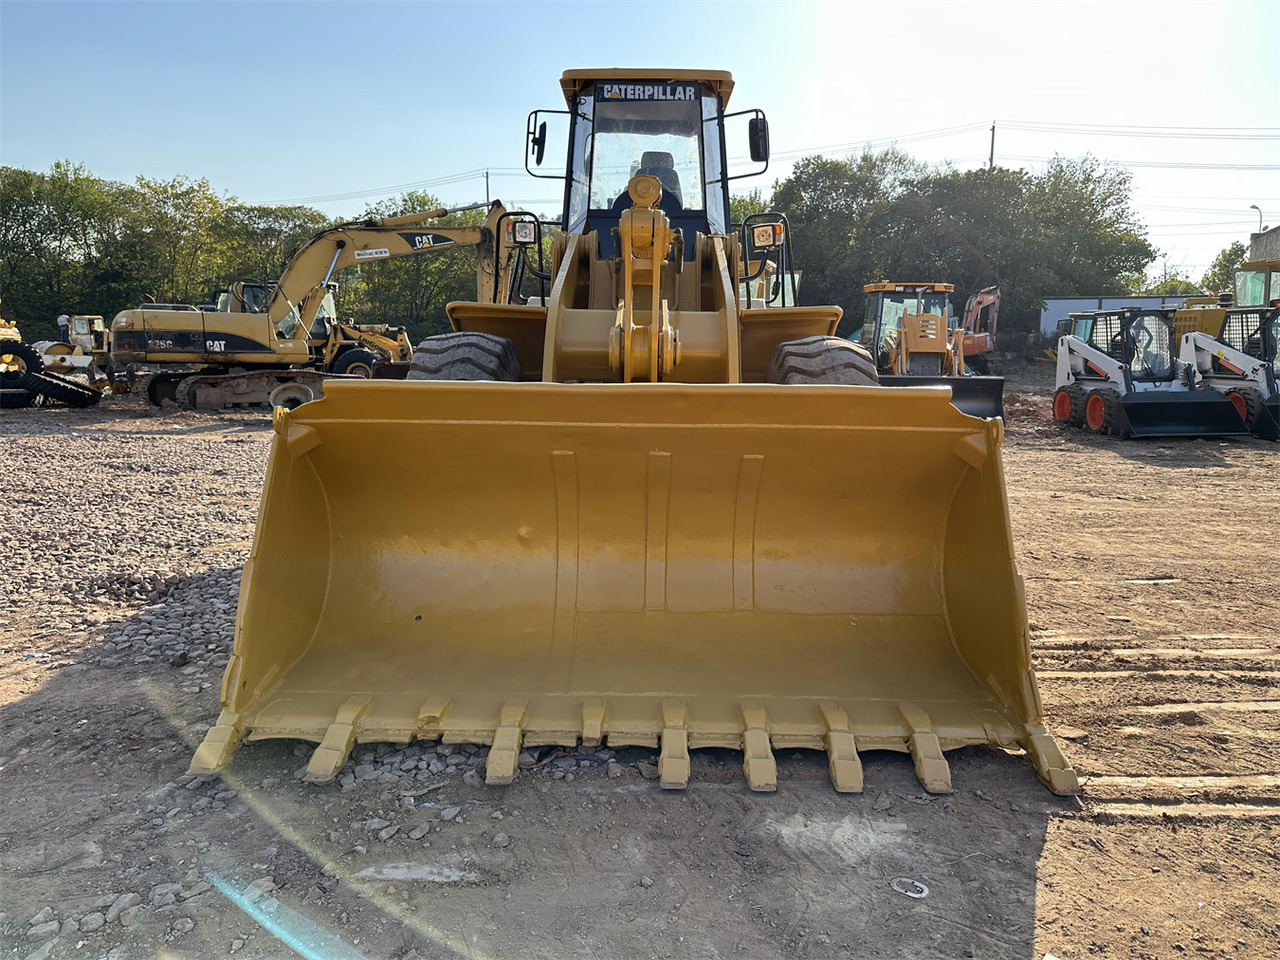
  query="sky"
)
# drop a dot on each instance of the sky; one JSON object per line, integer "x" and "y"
{"x": 341, "y": 104}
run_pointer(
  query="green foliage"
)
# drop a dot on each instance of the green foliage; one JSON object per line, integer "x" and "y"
{"x": 412, "y": 291}
{"x": 744, "y": 205}
{"x": 1067, "y": 231}
{"x": 1220, "y": 277}
{"x": 72, "y": 243}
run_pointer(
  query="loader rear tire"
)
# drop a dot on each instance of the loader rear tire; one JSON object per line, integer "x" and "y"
{"x": 466, "y": 356}
{"x": 822, "y": 360}
{"x": 1068, "y": 405}
{"x": 17, "y": 359}
{"x": 1248, "y": 403}
{"x": 357, "y": 363}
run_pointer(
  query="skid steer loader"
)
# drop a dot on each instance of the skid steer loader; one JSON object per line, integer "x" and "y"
{"x": 1242, "y": 363}
{"x": 670, "y": 521}
{"x": 1126, "y": 380}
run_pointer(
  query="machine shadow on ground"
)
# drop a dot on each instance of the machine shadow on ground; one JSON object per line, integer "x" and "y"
{"x": 588, "y": 865}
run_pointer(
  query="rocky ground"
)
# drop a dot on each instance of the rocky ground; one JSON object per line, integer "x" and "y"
{"x": 1156, "y": 631}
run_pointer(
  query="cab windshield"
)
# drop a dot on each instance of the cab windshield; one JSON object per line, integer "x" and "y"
{"x": 659, "y": 138}
{"x": 888, "y": 310}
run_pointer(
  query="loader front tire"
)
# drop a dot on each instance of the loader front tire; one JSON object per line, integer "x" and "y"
{"x": 1068, "y": 405}
{"x": 357, "y": 363}
{"x": 822, "y": 360}
{"x": 466, "y": 356}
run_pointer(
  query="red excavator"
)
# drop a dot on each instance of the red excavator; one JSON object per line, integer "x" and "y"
{"x": 979, "y": 322}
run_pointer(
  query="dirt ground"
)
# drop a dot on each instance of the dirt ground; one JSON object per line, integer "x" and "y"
{"x": 1152, "y": 580}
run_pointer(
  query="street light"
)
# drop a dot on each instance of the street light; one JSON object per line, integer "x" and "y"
{"x": 1254, "y": 206}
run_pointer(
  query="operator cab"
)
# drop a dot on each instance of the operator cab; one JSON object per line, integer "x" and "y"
{"x": 888, "y": 304}
{"x": 1258, "y": 284}
{"x": 666, "y": 124}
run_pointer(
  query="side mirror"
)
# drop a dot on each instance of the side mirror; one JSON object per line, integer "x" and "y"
{"x": 538, "y": 143}
{"x": 758, "y": 134}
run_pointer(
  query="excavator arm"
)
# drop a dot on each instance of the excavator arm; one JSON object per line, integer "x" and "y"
{"x": 302, "y": 285}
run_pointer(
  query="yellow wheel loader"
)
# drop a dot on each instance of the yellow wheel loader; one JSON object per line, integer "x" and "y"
{"x": 664, "y": 519}
{"x": 279, "y": 343}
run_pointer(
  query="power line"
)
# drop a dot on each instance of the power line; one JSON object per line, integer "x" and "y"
{"x": 1140, "y": 131}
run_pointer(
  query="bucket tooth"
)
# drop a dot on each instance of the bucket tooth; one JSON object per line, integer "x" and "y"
{"x": 219, "y": 743}
{"x": 592, "y": 723}
{"x": 1051, "y": 765}
{"x": 430, "y": 714}
{"x": 505, "y": 752}
{"x": 842, "y": 751}
{"x": 673, "y": 760}
{"x": 338, "y": 741}
{"x": 757, "y": 756}
{"x": 931, "y": 766}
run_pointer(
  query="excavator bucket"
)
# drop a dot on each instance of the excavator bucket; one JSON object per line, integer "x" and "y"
{"x": 981, "y": 397}
{"x": 750, "y": 566}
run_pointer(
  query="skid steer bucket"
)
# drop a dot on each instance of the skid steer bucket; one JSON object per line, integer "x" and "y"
{"x": 1182, "y": 413}
{"x": 670, "y": 565}
{"x": 977, "y": 396}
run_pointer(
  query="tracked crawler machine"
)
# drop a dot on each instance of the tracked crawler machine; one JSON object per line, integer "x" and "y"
{"x": 278, "y": 343}
{"x": 663, "y": 520}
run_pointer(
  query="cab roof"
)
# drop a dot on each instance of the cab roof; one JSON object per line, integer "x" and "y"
{"x": 905, "y": 287}
{"x": 571, "y": 81}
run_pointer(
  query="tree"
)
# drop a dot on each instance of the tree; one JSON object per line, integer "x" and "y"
{"x": 744, "y": 205}
{"x": 412, "y": 291}
{"x": 1220, "y": 277}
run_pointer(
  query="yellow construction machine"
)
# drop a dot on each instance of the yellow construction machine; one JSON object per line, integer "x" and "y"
{"x": 277, "y": 343}
{"x": 909, "y": 329}
{"x": 30, "y": 373}
{"x": 663, "y": 520}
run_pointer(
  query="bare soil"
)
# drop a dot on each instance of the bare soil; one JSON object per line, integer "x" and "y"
{"x": 1151, "y": 570}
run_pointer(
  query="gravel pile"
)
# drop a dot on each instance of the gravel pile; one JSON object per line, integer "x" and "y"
{"x": 111, "y": 508}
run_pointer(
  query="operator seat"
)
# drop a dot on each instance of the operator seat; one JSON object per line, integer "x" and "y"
{"x": 660, "y": 164}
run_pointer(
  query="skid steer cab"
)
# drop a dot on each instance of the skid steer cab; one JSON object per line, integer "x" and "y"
{"x": 656, "y": 530}
{"x": 1243, "y": 364}
{"x": 1125, "y": 379}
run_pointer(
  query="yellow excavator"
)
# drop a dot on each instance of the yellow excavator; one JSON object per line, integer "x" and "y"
{"x": 278, "y": 343}
{"x": 665, "y": 518}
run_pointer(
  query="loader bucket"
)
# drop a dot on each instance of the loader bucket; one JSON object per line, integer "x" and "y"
{"x": 1182, "y": 413}
{"x": 677, "y": 566}
{"x": 1267, "y": 426}
{"x": 977, "y": 396}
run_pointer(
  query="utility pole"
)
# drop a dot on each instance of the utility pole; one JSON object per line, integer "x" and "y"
{"x": 486, "y": 186}
{"x": 991, "y": 160}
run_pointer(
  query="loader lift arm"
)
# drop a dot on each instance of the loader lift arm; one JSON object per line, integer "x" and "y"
{"x": 303, "y": 283}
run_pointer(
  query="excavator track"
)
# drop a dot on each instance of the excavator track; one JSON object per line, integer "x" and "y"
{"x": 62, "y": 389}
{"x": 216, "y": 391}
